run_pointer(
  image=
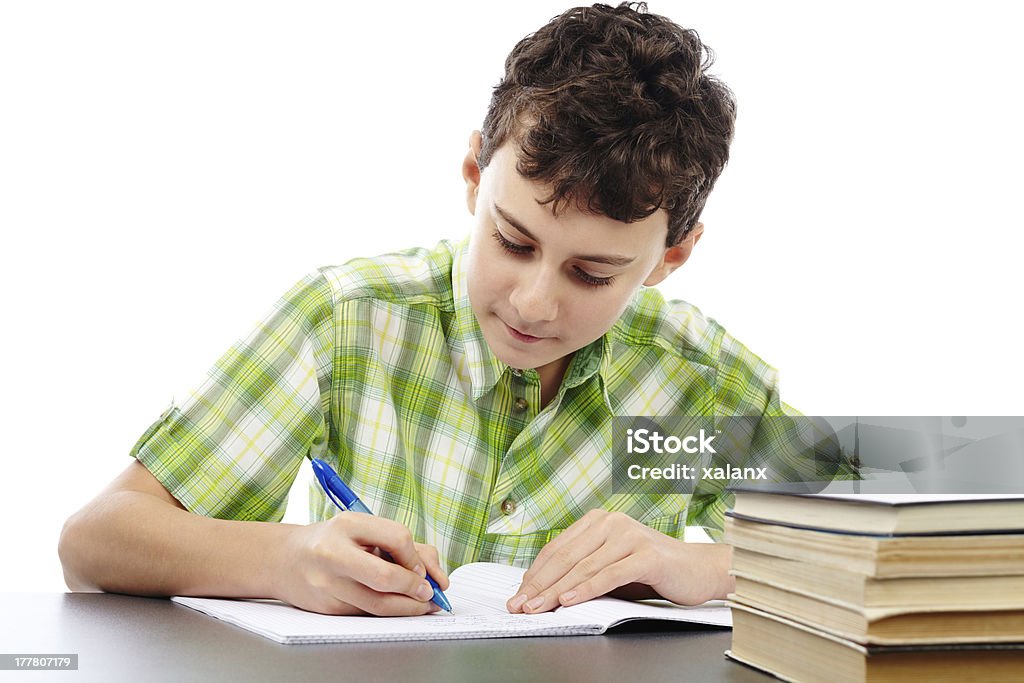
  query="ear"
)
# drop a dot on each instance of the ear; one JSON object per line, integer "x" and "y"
{"x": 675, "y": 256}
{"x": 471, "y": 170}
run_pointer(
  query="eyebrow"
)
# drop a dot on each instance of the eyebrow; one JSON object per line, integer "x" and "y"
{"x": 593, "y": 258}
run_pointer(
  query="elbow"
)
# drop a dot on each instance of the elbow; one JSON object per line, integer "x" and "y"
{"x": 69, "y": 550}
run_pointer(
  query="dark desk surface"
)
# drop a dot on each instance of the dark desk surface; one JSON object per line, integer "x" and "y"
{"x": 126, "y": 638}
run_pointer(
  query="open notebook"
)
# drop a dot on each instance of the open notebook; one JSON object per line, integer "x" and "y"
{"x": 478, "y": 593}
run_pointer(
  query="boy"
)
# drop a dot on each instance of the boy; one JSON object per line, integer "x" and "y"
{"x": 467, "y": 392}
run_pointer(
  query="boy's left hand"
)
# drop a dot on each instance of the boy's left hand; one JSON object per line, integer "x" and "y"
{"x": 605, "y": 551}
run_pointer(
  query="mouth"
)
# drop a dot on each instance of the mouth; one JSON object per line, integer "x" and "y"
{"x": 522, "y": 336}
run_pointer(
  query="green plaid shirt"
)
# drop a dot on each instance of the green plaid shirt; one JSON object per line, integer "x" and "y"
{"x": 379, "y": 367}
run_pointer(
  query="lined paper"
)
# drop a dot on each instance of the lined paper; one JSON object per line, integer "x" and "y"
{"x": 478, "y": 594}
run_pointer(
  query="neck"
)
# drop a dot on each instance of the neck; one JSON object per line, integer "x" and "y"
{"x": 551, "y": 378}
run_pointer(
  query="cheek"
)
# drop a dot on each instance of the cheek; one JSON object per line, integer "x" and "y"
{"x": 489, "y": 279}
{"x": 594, "y": 313}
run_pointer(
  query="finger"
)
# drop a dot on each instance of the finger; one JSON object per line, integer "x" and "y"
{"x": 596, "y": 563}
{"x": 379, "y": 604}
{"x": 389, "y": 536}
{"x": 621, "y": 573}
{"x": 383, "y": 576}
{"x": 574, "y": 531}
{"x": 546, "y": 571}
{"x": 428, "y": 554}
{"x": 539, "y": 579}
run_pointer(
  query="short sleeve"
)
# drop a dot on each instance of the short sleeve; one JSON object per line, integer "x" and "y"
{"x": 763, "y": 435}
{"x": 233, "y": 447}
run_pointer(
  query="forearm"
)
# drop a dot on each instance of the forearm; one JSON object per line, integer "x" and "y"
{"x": 133, "y": 542}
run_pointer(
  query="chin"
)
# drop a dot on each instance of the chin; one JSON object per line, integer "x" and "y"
{"x": 512, "y": 359}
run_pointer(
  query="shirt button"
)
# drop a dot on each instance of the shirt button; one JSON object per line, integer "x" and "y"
{"x": 521, "y": 405}
{"x": 508, "y": 506}
{"x": 517, "y": 372}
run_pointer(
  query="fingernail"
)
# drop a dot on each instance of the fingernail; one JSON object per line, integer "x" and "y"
{"x": 425, "y": 592}
{"x": 418, "y": 569}
{"x": 536, "y": 602}
{"x": 517, "y": 602}
{"x": 567, "y": 596}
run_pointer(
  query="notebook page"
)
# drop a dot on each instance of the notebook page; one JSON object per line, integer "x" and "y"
{"x": 478, "y": 594}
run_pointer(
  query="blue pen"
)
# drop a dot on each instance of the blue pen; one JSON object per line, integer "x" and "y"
{"x": 342, "y": 496}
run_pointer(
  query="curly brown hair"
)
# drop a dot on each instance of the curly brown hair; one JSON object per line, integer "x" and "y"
{"x": 614, "y": 109}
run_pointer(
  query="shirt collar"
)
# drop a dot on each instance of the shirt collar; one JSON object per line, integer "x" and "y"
{"x": 484, "y": 367}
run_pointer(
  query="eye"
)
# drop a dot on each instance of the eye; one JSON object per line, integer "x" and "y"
{"x": 591, "y": 280}
{"x": 511, "y": 247}
{"x": 522, "y": 249}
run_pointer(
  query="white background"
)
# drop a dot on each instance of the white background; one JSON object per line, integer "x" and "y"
{"x": 167, "y": 170}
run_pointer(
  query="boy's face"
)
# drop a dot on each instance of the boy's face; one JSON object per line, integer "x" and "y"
{"x": 543, "y": 287}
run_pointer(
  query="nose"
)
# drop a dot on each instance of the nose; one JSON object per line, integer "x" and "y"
{"x": 535, "y": 297}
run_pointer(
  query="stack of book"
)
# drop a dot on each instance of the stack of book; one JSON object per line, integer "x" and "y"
{"x": 878, "y": 588}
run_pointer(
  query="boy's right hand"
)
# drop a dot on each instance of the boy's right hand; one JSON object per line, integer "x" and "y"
{"x": 331, "y": 567}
